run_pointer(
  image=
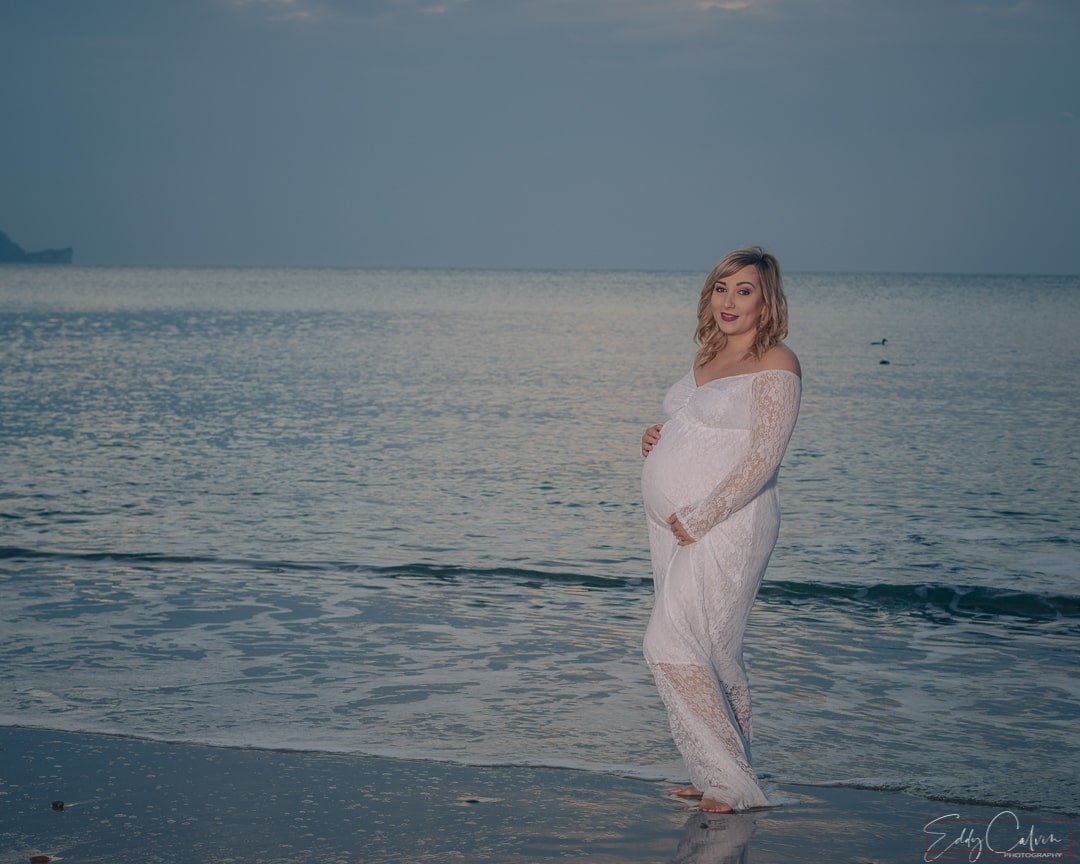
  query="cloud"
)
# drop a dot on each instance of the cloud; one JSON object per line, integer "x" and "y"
{"x": 726, "y": 5}
{"x": 329, "y": 9}
{"x": 295, "y": 15}
{"x": 270, "y": 4}
{"x": 997, "y": 7}
{"x": 627, "y": 11}
{"x": 282, "y": 10}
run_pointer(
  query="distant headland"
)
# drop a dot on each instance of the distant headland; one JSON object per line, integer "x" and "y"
{"x": 12, "y": 253}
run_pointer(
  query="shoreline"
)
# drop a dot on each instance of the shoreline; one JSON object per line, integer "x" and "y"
{"x": 130, "y": 798}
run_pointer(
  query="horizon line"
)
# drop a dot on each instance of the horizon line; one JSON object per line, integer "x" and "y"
{"x": 493, "y": 269}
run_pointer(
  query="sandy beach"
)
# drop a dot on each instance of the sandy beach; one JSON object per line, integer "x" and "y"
{"x": 127, "y": 799}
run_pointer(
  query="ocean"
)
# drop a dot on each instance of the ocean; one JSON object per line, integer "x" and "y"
{"x": 398, "y": 513}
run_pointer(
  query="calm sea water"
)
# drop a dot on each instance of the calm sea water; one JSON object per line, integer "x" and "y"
{"x": 398, "y": 513}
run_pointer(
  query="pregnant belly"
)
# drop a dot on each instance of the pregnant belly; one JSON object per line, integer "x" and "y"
{"x": 684, "y": 467}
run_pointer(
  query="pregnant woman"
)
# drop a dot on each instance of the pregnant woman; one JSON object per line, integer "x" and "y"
{"x": 709, "y": 486}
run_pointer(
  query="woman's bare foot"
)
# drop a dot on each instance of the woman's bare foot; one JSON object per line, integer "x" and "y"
{"x": 686, "y": 792}
{"x": 711, "y": 805}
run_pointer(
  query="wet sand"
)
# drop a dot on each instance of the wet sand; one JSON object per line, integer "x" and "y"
{"x": 134, "y": 800}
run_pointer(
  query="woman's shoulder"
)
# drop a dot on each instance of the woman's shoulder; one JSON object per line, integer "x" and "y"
{"x": 780, "y": 358}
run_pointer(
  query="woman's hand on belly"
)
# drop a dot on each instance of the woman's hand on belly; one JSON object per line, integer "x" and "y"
{"x": 679, "y": 531}
{"x": 650, "y": 439}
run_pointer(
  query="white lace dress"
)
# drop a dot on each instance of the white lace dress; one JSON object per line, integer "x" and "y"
{"x": 715, "y": 466}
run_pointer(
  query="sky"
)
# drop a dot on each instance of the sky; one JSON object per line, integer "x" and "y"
{"x": 843, "y": 135}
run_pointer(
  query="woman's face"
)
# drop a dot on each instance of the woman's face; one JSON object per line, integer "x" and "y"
{"x": 737, "y": 301}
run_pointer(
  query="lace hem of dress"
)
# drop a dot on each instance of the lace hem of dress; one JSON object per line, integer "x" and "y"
{"x": 715, "y": 749}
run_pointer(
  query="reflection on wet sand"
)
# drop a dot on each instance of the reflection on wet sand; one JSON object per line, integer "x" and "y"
{"x": 716, "y": 838}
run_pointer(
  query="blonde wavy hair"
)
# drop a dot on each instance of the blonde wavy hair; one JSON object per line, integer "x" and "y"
{"x": 773, "y": 322}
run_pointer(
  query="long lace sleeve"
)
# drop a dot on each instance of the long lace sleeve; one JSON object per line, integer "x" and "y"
{"x": 775, "y": 407}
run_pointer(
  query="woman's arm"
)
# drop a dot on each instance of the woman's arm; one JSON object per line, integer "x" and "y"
{"x": 776, "y": 395}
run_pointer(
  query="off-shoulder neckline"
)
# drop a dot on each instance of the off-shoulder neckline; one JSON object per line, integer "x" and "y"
{"x": 693, "y": 376}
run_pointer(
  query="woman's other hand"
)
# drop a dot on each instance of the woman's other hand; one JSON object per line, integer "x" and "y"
{"x": 650, "y": 439}
{"x": 677, "y": 529}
